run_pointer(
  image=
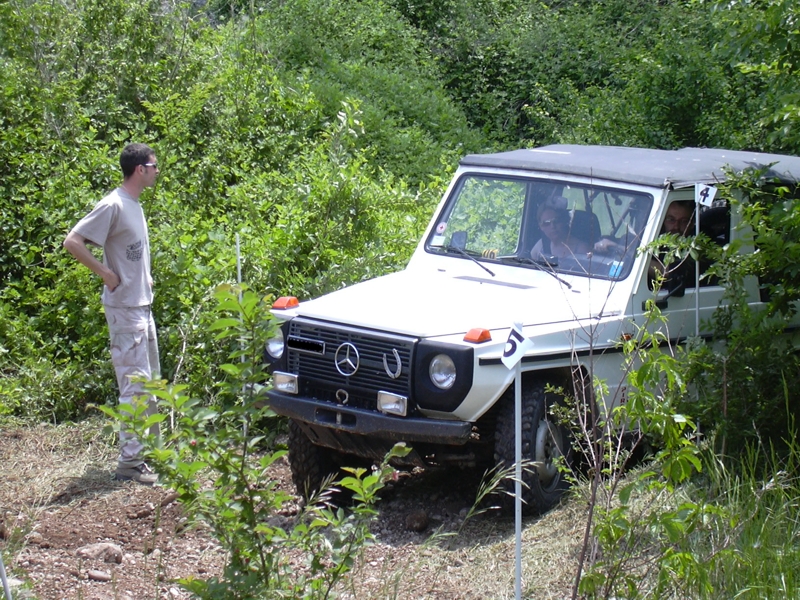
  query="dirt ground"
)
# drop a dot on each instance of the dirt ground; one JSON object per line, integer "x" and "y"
{"x": 67, "y": 531}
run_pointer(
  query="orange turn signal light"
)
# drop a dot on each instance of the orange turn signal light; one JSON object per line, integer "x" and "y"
{"x": 285, "y": 302}
{"x": 478, "y": 335}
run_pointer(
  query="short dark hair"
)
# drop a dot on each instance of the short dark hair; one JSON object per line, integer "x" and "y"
{"x": 132, "y": 156}
{"x": 687, "y": 205}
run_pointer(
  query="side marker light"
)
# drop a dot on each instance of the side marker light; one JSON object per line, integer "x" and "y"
{"x": 478, "y": 335}
{"x": 285, "y": 302}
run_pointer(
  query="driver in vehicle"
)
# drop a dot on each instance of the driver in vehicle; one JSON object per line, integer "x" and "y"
{"x": 679, "y": 220}
{"x": 556, "y": 241}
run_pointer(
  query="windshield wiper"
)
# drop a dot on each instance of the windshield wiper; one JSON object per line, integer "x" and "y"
{"x": 466, "y": 254}
{"x": 524, "y": 260}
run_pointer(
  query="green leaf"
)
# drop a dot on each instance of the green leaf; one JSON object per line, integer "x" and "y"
{"x": 225, "y": 323}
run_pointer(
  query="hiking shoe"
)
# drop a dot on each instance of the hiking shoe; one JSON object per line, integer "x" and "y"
{"x": 140, "y": 474}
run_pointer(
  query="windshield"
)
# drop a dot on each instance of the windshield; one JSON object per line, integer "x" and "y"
{"x": 565, "y": 227}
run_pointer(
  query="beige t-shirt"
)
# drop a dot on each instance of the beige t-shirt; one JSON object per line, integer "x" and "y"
{"x": 117, "y": 225}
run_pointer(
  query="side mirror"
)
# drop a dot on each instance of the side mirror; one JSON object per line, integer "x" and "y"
{"x": 675, "y": 287}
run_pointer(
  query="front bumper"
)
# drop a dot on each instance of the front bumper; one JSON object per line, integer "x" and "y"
{"x": 369, "y": 423}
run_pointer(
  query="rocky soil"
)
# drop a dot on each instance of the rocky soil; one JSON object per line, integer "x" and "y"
{"x": 67, "y": 531}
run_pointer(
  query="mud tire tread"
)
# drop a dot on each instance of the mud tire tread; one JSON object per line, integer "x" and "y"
{"x": 535, "y": 401}
{"x": 310, "y": 464}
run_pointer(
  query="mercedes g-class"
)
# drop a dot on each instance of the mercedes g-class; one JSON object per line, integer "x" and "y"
{"x": 545, "y": 237}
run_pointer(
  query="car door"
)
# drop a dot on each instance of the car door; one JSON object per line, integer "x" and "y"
{"x": 689, "y": 300}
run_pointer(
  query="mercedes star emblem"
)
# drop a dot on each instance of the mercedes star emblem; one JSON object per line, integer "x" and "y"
{"x": 346, "y": 359}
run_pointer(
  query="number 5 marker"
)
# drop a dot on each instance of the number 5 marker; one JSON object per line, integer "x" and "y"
{"x": 516, "y": 346}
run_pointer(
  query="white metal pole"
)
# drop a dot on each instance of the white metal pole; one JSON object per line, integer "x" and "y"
{"x": 518, "y": 478}
{"x": 696, "y": 270}
{"x": 238, "y": 263}
{"x": 239, "y": 275}
{"x": 4, "y": 578}
{"x": 239, "y": 281}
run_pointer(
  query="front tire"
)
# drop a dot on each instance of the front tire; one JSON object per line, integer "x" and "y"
{"x": 546, "y": 446}
{"x": 311, "y": 465}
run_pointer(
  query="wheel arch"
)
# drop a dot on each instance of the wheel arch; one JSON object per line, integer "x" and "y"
{"x": 574, "y": 380}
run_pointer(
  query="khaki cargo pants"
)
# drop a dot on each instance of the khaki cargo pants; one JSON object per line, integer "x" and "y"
{"x": 134, "y": 352}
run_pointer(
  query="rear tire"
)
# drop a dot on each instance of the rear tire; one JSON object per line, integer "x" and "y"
{"x": 545, "y": 443}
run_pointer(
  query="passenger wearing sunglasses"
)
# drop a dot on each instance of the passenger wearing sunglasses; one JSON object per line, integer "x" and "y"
{"x": 117, "y": 225}
{"x": 556, "y": 241}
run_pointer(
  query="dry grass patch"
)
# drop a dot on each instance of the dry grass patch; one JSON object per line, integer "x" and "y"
{"x": 57, "y": 496}
{"x": 478, "y": 562}
{"x": 44, "y": 464}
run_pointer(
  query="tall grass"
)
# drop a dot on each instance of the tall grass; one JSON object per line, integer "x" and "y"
{"x": 755, "y": 551}
{"x": 731, "y": 532}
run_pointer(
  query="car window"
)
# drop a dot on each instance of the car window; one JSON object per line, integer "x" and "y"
{"x": 487, "y": 215}
{"x": 512, "y": 220}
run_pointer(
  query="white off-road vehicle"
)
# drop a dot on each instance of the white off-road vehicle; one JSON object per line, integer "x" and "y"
{"x": 415, "y": 356}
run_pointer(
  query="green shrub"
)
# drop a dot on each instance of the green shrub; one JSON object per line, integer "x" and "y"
{"x": 740, "y": 376}
{"x": 217, "y": 459}
{"x": 249, "y": 144}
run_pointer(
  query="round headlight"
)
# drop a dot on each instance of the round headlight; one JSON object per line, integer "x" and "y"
{"x": 275, "y": 344}
{"x": 442, "y": 371}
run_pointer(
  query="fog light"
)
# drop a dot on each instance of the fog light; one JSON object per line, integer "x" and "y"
{"x": 284, "y": 382}
{"x": 392, "y": 404}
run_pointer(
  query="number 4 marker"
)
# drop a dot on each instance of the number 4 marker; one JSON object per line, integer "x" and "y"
{"x": 704, "y": 193}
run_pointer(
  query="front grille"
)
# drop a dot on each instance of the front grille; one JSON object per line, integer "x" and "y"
{"x": 312, "y": 350}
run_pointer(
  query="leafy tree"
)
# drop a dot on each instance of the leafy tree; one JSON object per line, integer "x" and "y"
{"x": 609, "y": 72}
{"x": 747, "y": 379}
{"x": 323, "y": 174}
{"x": 762, "y": 39}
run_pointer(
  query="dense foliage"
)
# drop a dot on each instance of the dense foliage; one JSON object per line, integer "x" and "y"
{"x": 321, "y": 134}
{"x": 653, "y": 74}
{"x": 327, "y": 175}
{"x": 315, "y": 136}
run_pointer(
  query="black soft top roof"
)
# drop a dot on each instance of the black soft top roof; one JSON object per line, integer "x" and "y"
{"x": 659, "y": 168}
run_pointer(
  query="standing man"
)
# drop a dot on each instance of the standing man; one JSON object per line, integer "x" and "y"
{"x": 117, "y": 225}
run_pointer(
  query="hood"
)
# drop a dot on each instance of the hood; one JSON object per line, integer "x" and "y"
{"x": 433, "y": 304}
